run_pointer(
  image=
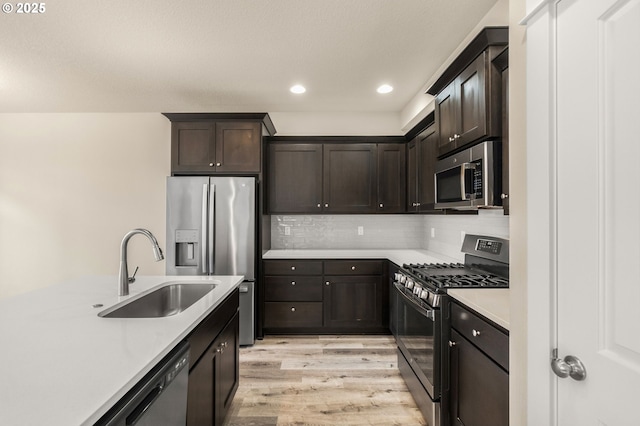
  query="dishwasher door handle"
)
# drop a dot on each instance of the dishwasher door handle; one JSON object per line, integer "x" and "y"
{"x": 141, "y": 408}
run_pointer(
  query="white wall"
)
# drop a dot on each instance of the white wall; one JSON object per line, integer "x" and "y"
{"x": 71, "y": 186}
{"x": 336, "y": 124}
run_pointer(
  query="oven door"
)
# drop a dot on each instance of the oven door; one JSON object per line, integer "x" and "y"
{"x": 418, "y": 338}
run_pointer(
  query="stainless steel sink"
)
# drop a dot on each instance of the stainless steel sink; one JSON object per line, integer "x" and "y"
{"x": 165, "y": 301}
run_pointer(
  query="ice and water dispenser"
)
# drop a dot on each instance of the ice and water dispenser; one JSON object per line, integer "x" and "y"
{"x": 187, "y": 248}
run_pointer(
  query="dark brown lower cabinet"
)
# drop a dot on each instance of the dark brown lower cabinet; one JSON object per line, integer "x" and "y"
{"x": 478, "y": 359}
{"x": 325, "y": 296}
{"x": 353, "y": 301}
{"x": 214, "y": 378}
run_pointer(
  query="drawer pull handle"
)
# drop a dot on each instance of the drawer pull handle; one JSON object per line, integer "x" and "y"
{"x": 293, "y": 283}
{"x": 353, "y": 268}
{"x": 475, "y": 333}
{"x": 451, "y": 344}
{"x": 293, "y": 309}
{"x": 293, "y": 268}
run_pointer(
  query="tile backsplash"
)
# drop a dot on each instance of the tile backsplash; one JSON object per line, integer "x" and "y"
{"x": 441, "y": 234}
{"x": 341, "y": 231}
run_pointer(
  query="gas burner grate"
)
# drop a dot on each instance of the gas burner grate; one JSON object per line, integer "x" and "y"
{"x": 463, "y": 281}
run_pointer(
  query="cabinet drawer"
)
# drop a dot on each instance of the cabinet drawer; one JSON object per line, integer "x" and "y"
{"x": 293, "y": 288}
{"x": 293, "y": 267}
{"x": 210, "y": 327}
{"x": 481, "y": 333}
{"x": 292, "y": 314}
{"x": 353, "y": 267}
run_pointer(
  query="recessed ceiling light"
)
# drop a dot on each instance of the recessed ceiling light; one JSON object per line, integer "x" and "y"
{"x": 385, "y": 88}
{"x": 298, "y": 88}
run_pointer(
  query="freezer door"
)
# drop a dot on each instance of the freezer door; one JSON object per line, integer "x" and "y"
{"x": 187, "y": 206}
{"x": 233, "y": 234}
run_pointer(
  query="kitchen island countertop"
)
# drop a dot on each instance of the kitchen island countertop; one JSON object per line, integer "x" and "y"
{"x": 492, "y": 303}
{"x": 61, "y": 364}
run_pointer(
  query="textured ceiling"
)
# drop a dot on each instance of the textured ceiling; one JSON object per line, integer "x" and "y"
{"x": 227, "y": 55}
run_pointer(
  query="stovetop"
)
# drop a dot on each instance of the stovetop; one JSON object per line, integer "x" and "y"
{"x": 454, "y": 275}
{"x": 486, "y": 266}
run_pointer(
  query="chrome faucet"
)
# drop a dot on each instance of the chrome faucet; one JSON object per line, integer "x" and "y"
{"x": 124, "y": 271}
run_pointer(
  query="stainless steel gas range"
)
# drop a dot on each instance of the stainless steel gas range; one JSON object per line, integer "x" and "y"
{"x": 420, "y": 325}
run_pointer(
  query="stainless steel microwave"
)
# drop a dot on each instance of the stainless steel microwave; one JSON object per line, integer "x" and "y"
{"x": 470, "y": 179}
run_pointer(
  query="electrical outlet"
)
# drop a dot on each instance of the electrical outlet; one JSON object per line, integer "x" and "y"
{"x": 433, "y": 232}
{"x": 287, "y": 230}
{"x": 360, "y": 230}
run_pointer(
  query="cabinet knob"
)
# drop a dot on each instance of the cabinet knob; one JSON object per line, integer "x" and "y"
{"x": 504, "y": 196}
{"x": 319, "y": 205}
{"x": 218, "y": 164}
{"x": 451, "y": 344}
{"x": 326, "y": 204}
{"x": 293, "y": 283}
{"x": 381, "y": 205}
{"x": 293, "y": 309}
{"x": 451, "y": 139}
{"x": 456, "y": 136}
{"x": 293, "y": 268}
{"x": 353, "y": 268}
{"x": 210, "y": 164}
{"x": 475, "y": 333}
{"x": 326, "y": 283}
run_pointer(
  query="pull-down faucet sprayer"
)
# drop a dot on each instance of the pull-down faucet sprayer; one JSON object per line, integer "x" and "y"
{"x": 124, "y": 271}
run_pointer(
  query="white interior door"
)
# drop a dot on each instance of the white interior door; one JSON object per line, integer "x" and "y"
{"x": 598, "y": 209}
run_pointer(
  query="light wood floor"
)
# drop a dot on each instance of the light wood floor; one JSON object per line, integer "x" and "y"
{"x": 322, "y": 380}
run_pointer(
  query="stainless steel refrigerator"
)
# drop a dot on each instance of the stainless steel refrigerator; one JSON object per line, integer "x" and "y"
{"x": 211, "y": 230}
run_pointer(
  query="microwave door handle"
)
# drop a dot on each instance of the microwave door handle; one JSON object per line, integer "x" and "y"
{"x": 464, "y": 168}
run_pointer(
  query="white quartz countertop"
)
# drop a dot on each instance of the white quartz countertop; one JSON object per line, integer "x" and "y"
{"x": 396, "y": 256}
{"x": 492, "y": 303}
{"x": 61, "y": 364}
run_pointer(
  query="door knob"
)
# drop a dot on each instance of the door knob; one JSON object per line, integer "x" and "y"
{"x": 570, "y": 366}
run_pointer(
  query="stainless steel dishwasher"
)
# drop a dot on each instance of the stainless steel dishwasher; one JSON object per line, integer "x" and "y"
{"x": 159, "y": 399}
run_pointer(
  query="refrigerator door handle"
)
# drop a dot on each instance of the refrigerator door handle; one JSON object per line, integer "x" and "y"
{"x": 211, "y": 246}
{"x": 204, "y": 244}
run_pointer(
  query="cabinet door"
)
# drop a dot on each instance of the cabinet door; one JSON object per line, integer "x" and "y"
{"x": 227, "y": 368}
{"x": 391, "y": 180}
{"x": 353, "y": 301}
{"x": 412, "y": 175}
{"x": 427, "y": 154}
{"x": 349, "y": 178}
{"x": 192, "y": 147}
{"x": 446, "y": 118}
{"x": 295, "y": 178}
{"x": 200, "y": 398}
{"x": 238, "y": 146}
{"x": 479, "y": 387}
{"x": 471, "y": 102}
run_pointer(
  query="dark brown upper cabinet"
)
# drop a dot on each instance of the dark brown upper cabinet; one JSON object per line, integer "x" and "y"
{"x": 422, "y": 152}
{"x": 217, "y": 143}
{"x": 349, "y": 178}
{"x": 295, "y": 178}
{"x": 332, "y": 177}
{"x": 468, "y": 104}
{"x": 391, "y": 178}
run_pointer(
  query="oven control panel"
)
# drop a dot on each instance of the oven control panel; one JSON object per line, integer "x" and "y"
{"x": 489, "y": 246}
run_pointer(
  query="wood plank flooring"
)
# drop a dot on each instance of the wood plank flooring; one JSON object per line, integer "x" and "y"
{"x": 322, "y": 380}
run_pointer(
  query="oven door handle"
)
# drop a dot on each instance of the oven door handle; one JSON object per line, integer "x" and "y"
{"x": 429, "y": 313}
